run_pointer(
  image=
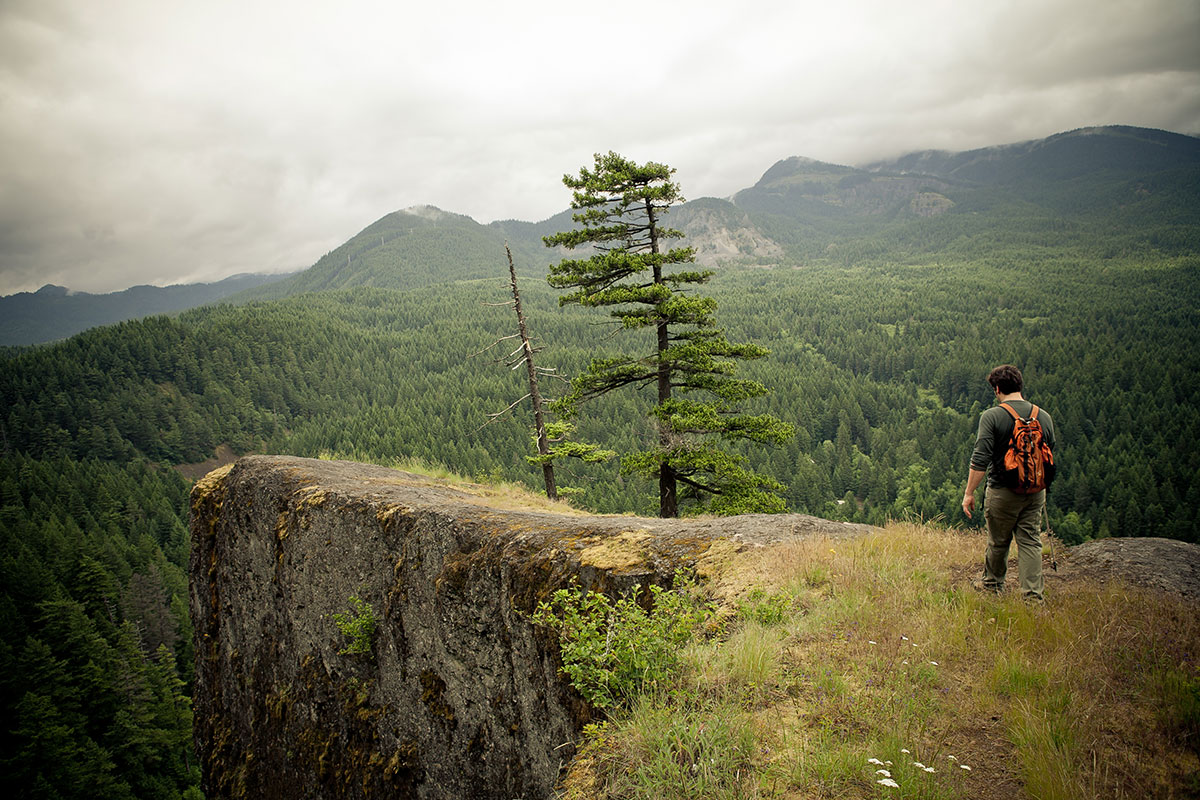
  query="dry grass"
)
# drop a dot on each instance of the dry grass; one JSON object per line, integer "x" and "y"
{"x": 499, "y": 495}
{"x": 860, "y": 649}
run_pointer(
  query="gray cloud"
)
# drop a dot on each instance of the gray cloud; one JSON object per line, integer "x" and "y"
{"x": 143, "y": 141}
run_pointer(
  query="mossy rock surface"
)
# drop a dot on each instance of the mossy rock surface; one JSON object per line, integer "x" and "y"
{"x": 461, "y": 696}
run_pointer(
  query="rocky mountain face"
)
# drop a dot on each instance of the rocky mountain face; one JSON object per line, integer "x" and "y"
{"x": 803, "y": 189}
{"x": 722, "y": 233}
{"x": 459, "y": 695}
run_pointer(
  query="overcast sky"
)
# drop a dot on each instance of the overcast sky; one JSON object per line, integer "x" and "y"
{"x": 166, "y": 141}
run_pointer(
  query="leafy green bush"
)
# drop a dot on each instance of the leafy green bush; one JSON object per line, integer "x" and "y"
{"x": 613, "y": 650}
{"x": 359, "y": 627}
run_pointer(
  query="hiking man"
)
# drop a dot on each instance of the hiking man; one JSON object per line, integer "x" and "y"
{"x": 1012, "y": 507}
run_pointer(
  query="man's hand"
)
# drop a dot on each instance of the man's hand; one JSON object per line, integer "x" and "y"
{"x": 974, "y": 478}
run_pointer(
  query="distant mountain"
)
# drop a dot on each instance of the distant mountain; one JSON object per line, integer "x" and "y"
{"x": 425, "y": 245}
{"x": 55, "y": 312}
{"x": 1128, "y": 188}
{"x": 1131, "y": 187}
{"x": 1148, "y": 175}
{"x": 812, "y": 191}
{"x": 406, "y": 249}
{"x": 1117, "y": 149}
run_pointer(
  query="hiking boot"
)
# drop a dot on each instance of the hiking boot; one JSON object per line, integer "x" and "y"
{"x": 979, "y": 586}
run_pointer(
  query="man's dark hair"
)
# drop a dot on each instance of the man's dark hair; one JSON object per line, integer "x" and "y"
{"x": 1006, "y": 378}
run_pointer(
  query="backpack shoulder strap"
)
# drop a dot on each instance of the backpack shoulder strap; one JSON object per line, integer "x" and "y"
{"x": 1032, "y": 414}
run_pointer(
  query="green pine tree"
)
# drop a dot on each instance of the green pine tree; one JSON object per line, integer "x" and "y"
{"x": 620, "y": 207}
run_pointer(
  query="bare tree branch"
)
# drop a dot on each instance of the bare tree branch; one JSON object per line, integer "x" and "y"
{"x": 493, "y": 344}
{"x": 498, "y": 415}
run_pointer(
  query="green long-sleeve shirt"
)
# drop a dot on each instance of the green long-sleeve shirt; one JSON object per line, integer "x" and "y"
{"x": 995, "y": 426}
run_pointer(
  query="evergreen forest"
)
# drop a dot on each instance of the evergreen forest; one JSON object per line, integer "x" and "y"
{"x": 881, "y": 324}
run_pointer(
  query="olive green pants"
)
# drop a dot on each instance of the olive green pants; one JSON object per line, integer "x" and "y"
{"x": 1010, "y": 515}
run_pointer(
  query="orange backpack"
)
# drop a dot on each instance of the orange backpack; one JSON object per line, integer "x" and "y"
{"x": 1028, "y": 462}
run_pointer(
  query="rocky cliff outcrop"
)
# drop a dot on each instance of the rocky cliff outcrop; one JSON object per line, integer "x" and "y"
{"x": 1166, "y": 565}
{"x": 459, "y": 696}
{"x": 721, "y": 233}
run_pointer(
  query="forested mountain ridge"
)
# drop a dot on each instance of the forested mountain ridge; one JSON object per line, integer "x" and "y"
{"x": 863, "y": 359}
{"x": 56, "y": 312}
{"x": 1142, "y": 183}
{"x": 425, "y": 245}
{"x": 1118, "y": 149}
{"x": 1099, "y": 191}
{"x": 414, "y": 247}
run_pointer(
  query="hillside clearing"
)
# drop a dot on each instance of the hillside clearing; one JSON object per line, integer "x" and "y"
{"x": 834, "y": 653}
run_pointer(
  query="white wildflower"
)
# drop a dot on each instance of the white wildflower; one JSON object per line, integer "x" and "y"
{"x": 929, "y": 769}
{"x": 904, "y": 750}
{"x": 904, "y": 638}
{"x": 870, "y": 642}
{"x": 934, "y": 663}
{"x": 875, "y": 761}
{"x": 964, "y": 766}
{"x": 888, "y": 782}
{"x": 918, "y": 765}
{"x": 883, "y": 772}
{"x": 952, "y": 758}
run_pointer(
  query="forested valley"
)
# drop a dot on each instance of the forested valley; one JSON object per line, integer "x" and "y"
{"x": 879, "y": 347}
